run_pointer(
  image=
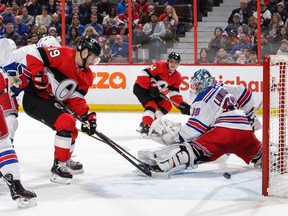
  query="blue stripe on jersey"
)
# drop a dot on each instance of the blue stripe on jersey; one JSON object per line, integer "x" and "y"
{"x": 197, "y": 125}
{"x": 207, "y": 94}
{"x": 244, "y": 98}
{"x": 232, "y": 119}
{"x": 8, "y": 157}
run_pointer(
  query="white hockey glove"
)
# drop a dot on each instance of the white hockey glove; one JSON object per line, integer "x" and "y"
{"x": 254, "y": 121}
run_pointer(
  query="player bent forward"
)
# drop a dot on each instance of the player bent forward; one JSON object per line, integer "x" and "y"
{"x": 62, "y": 73}
{"x": 215, "y": 127}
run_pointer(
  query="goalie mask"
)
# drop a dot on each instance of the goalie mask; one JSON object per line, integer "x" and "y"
{"x": 200, "y": 81}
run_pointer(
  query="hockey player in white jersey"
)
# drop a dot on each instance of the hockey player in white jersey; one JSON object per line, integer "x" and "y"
{"x": 9, "y": 166}
{"x": 216, "y": 127}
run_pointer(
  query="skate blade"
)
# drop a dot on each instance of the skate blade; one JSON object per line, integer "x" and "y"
{"x": 76, "y": 172}
{"x": 24, "y": 202}
{"x": 60, "y": 180}
{"x": 156, "y": 175}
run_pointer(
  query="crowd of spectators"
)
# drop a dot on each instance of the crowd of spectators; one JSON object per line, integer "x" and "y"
{"x": 237, "y": 42}
{"x": 26, "y": 21}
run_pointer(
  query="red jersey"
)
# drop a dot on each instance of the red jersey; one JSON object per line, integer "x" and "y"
{"x": 60, "y": 66}
{"x": 160, "y": 71}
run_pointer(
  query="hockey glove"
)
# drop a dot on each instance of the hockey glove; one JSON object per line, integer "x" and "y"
{"x": 154, "y": 91}
{"x": 185, "y": 108}
{"x": 40, "y": 81}
{"x": 89, "y": 125}
{"x": 18, "y": 84}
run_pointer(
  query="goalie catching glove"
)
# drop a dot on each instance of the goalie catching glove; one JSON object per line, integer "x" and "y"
{"x": 89, "y": 123}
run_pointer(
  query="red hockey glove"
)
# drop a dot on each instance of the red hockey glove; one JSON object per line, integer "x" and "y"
{"x": 185, "y": 108}
{"x": 40, "y": 81}
{"x": 89, "y": 125}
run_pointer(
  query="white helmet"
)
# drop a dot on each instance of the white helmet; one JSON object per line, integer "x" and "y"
{"x": 48, "y": 41}
{"x": 12, "y": 44}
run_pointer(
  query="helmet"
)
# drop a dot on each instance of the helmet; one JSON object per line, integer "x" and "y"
{"x": 174, "y": 55}
{"x": 203, "y": 77}
{"x": 12, "y": 44}
{"x": 48, "y": 41}
{"x": 90, "y": 44}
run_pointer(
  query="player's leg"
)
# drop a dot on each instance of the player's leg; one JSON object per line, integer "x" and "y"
{"x": 9, "y": 168}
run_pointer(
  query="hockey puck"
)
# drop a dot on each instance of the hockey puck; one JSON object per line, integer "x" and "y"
{"x": 227, "y": 175}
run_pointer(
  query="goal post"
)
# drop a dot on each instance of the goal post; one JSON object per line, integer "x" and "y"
{"x": 275, "y": 137}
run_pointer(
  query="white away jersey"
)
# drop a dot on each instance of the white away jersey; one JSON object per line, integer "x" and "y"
{"x": 213, "y": 107}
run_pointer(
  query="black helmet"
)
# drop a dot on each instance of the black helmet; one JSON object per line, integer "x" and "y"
{"x": 90, "y": 44}
{"x": 174, "y": 55}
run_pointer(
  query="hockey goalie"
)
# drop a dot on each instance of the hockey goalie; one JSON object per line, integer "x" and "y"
{"x": 216, "y": 127}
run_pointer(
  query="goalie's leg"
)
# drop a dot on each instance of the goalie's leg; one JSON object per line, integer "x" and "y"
{"x": 171, "y": 159}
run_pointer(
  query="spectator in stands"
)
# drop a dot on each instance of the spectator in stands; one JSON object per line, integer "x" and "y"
{"x": 114, "y": 30}
{"x": 265, "y": 16}
{"x": 33, "y": 7}
{"x": 111, "y": 19}
{"x": 75, "y": 12}
{"x": 223, "y": 57}
{"x": 94, "y": 11}
{"x": 141, "y": 6}
{"x": 243, "y": 11}
{"x": 283, "y": 49}
{"x": 104, "y": 7}
{"x": 265, "y": 47}
{"x": 252, "y": 5}
{"x": 244, "y": 56}
{"x": 272, "y": 6}
{"x": 253, "y": 58}
{"x": 52, "y": 31}
{"x": 105, "y": 54}
{"x": 282, "y": 11}
{"x": 2, "y": 6}
{"x": 252, "y": 25}
{"x": 273, "y": 29}
{"x": 8, "y": 16}
{"x": 147, "y": 17}
{"x": 85, "y": 11}
{"x": 52, "y": 6}
{"x": 90, "y": 32}
{"x": 33, "y": 39}
{"x": 98, "y": 27}
{"x": 70, "y": 4}
{"x": 41, "y": 31}
{"x": 124, "y": 16}
{"x": 121, "y": 7}
{"x": 55, "y": 22}
{"x": 11, "y": 34}
{"x": 16, "y": 10}
{"x": 281, "y": 35}
{"x": 139, "y": 40}
{"x": 240, "y": 30}
{"x": 215, "y": 40}
{"x": 119, "y": 48}
{"x": 26, "y": 18}
{"x": 76, "y": 23}
{"x": 2, "y": 26}
{"x": 232, "y": 27}
{"x": 21, "y": 28}
{"x": 225, "y": 42}
{"x": 43, "y": 19}
{"x": 237, "y": 48}
{"x": 204, "y": 57}
{"x": 170, "y": 20}
{"x": 156, "y": 30}
{"x": 70, "y": 38}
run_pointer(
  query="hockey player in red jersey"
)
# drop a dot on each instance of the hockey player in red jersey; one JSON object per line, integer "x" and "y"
{"x": 62, "y": 73}
{"x": 216, "y": 127}
{"x": 159, "y": 78}
{"x": 9, "y": 166}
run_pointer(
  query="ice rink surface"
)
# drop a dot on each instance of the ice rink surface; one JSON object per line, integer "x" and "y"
{"x": 110, "y": 188}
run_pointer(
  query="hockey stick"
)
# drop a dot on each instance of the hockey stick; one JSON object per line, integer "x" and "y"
{"x": 172, "y": 101}
{"x": 143, "y": 167}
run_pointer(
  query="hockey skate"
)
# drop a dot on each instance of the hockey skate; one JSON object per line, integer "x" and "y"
{"x": 145, "y": 132}
{"x": 23, "y": 197}
{"x": 60, "y": 173}
{"x": 75, "y": 168}
{"x": 257, "y": 162}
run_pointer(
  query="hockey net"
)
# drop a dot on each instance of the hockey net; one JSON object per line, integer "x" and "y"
{"x": 275, "y": 137}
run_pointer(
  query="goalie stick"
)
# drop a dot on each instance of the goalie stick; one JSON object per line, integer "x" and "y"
{"x": 148, "y": 170}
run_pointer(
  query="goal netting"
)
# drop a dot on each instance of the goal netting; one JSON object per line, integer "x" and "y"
{"x": 275, "y": 137}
